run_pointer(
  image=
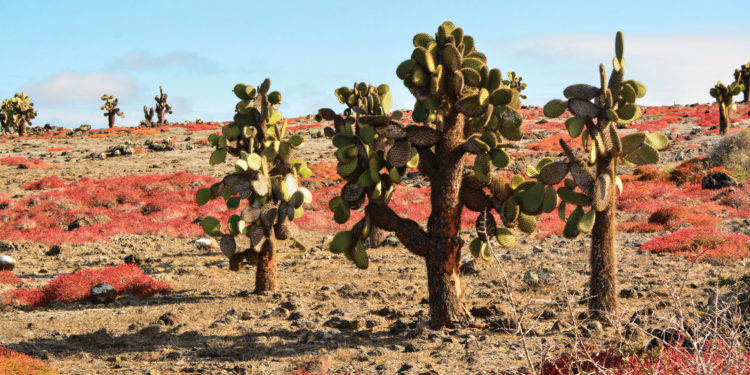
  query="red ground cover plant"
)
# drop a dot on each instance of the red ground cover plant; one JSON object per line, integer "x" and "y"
{"x": 125, "y": 278}
{"x": 58, "y": 149}
{"x": 700, "y": 243}
{"x": 13, "y": 362}
{"x": 21, "y": 162}
{"x": 50, "y": 182}
{"x": 552, "y": 143}
{"x": 147, "y": 205}
{"x": 7, "y": 277}
{"x": 718, "y": 359}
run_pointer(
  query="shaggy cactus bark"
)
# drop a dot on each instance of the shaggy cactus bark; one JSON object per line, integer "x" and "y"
{"x": 463, "y": 107}
{"x": 110, "y": 109}
{"x": 593, "y": 193}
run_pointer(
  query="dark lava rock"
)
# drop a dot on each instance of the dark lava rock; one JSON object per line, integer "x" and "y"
{"x": 103, "y": 293}
{"x": 717, "y": 180}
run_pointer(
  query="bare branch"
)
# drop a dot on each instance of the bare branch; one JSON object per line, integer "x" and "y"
{"x": 408, "y": 231}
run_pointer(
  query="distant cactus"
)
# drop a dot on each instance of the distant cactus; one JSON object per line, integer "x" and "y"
{"x": 724, "y": 96}
{"x": 110, "y": 109}
{"x": 265, "y": 176}
{"x": 148, "y": 113}
{"x": 742, "y": 75}
{"x": 17, "y": 112}
{"x": 162, "y": 108}
{"x": 595, "y": 201}
{"x": 465, "y": 108}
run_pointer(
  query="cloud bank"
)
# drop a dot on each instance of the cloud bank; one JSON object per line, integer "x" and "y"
{"x": 67, "y": 87}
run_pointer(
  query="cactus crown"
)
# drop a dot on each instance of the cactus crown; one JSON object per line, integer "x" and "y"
{"x": 596, "y": 111}
{"x": 724, "y": 93}
{"x": 450, "y": 80}
{"x": 17, "y": 112}
{"x": 265, "y": 175}
{"x": 110, "y": 106}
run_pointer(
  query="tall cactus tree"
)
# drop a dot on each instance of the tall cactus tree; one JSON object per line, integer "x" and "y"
{"x": 162, "y": 108}
{"x": 464, "y": 108}
{"x": 614, "y": 104}
{"x": 724, "y": 96}
{"x": 742, "y": 75}
{"x": 17, "y": 112}
{"x": 110, "y": 109}
{"x": 265, "y": 177}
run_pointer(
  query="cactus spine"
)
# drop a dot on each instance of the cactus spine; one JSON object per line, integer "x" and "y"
{"x": 16, "y": 113}
{"x": 742, "y": 75}
{"x": 110, "y": 109}
{"x": 264, "y": 184}
{"x": 595, "y": 201}
{"x": 464, "y": 107}
{"x": 724, "y": 96}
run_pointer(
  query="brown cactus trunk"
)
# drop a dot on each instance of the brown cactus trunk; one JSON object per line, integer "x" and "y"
{"x": 111, "y": 119}
{"x": 723, "y": 117}
{"x": 746, "y": 93}
{"x": 603, "y": 282}
{"x": 265, "y": 274}
{"x": 22, "y": 129}
{"x": 376, "y": 238}
{"x": 444, "y": 285}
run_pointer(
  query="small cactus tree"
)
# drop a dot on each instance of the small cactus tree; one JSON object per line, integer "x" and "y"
{"x": 110, "y": 109}
{"x": 148, "y": 113}
{"x": 465, "y": 108}
{"x": 17, "y": 112}
{"x": 724, "y": 96}
{"x": 162, "y": 108}
{"x": 742, "y": 75}
{"x": 265, "y": 176}
{"x": 614, "y": 103}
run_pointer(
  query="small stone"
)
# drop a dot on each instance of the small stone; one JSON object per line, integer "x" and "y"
{"x": 101, "y": 156}
{"x": 410, "y": 348}
{"x": 680, "y": 156}
{"x": 627, "y": 293}
{"x": 203, "y": 243}
{"x": 469, "y": 268}
{"x": 593, "y": 329}
{"x": 103, "y": 293}
{"x": 80, "y": 222}
{"x": 7, "y": 263}
{"x": 133, "y": 259}
{"x": 54, "y": 250}
{"x": 531, "y": 278}
{"x": 167, "y": 319}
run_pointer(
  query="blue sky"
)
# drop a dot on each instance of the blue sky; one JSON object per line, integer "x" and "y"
{"x": 66, "y": 54}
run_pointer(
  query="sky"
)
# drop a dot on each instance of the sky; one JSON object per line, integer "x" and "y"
{"x": 66, "y": 54}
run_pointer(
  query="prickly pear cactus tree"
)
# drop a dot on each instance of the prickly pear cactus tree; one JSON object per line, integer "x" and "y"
{"x": 264, "y": 184}
{"x": 463, "y": 107}
{"x": 17, "y": 112}
{"x": 742, "y": 75}
{"x": 724, "y": 96}
{"x": 110, "y": 109}
{"x": 148, "y": 113}
{"x": 591, "y": 188}
{"x": 162, "y": 108}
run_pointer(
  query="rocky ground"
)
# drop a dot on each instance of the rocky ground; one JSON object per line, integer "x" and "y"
{"x": 326, "y": 314}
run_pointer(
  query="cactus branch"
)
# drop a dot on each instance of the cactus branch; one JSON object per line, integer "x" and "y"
{"x": 414, "y": 238}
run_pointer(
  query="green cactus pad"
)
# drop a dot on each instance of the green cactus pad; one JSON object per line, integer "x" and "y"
{"x": 527, "y": 223}
{"x": 631, "y": 142}
{"x": 586, "y": 222}
{"x": 211, "y": 226}
{"x": 553, "y": 173}
{"x": 505, "y": 237}
{"x": 575, "y": 125}
{"x": 657, "y": 140}
{"x": 643, "y": 155}
{"x": 203, "y": 196}
{"x": 581, "y": 91}
{"x": 533, "y": 197}
{"x": 571, "y": 225}
{"x": 341, "y": 242}
{"x": 554, "y": 108}
{"x": 475, "y": 247}
{"x": 550, "y": 199}
{"x": 573, "y": 197}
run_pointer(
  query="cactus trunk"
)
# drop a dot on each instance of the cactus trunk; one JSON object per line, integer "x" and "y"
{"x": 603, "y": 282}
{"x": 746, "y": 94}
{"x": 723, "y": 117}
{"x": 265, "y": 273}
{"x": 445, "y": 294}
{"x": 111, "y": 119}
{"x": 22, "y": 129}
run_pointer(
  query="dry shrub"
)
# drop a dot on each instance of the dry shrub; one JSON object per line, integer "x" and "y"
{"x": 733, "y": 153}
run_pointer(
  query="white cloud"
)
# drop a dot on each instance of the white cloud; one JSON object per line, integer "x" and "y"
{"x": 67, "y": 87}
{"x": 143, "y": 61}
{"x": 676, "y": 68}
